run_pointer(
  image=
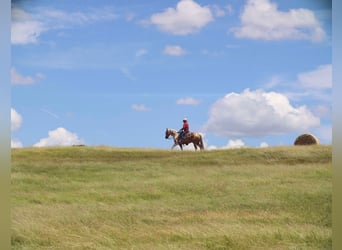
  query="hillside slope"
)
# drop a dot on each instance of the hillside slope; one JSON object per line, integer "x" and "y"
{"x": 114, "y": 198}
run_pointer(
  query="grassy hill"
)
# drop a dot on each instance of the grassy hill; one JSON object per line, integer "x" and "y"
{"x": 113, "y": 198}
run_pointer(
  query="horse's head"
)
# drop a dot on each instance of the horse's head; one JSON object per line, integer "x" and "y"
{"x": 171, "y": 132}
{"x": 167, "y": 133}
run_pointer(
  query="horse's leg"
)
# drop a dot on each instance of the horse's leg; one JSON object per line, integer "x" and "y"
{"x": 195, "y": 145}
{"x": 174, "y": 143}
{"x": 180, "y": 145}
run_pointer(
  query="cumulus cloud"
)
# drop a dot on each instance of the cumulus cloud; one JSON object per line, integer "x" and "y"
{"x": 261, "y": 19}
{"x": 320, "y": 78}
{"x": 231, "y": 144}
{"x": 188, "y": 17}
{"x": 16, "y": 120}
{"x": 188, "y": 101}
{"x": 16, "y": 143}
{"x": 174, "y": 50}
{"x": 257, "y": 113}
{"x": 140, "y": 107}
{"x": 238, "y": 143}
{"x": 235, "y": 144}
{"x": 59, "y": 137}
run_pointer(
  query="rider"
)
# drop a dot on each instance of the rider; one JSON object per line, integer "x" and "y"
{"x": 184, "y": 129}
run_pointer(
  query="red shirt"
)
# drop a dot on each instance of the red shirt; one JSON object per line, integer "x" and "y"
{"x": 186, "y": 126}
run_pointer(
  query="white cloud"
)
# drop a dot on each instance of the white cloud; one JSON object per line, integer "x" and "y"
{"x": 322, "y": 110}
{"x": 229, "y": 8}
{"x": 315, "y": 84}
{"x": 40, "y": 76}
{"x": 127, "y": 73}
{"x": 257, "y": 113}
{"x": 188, "y": 101}
{"x": 274, "y": 81}
{"x": 141, "y": 52}
{"x": 140, "y": 107}
{"x": 261, "y": 19}
{"x": 235, "y": 144}
{"x": 320, "y": 78}
{"x": 59, "y": 137}
{"x": 130, "y": 16}
{"x": 174, "y": 50}
{"x": 189, "y": 147}
{"x": 61, "y": 19}
{"x": 26, "y": 27}
{"x": 219, "y": 12}
{"x": 310, "y": 94}
{"x": 188, "y": 17}
{"x": 211, "y": 147}
{"x": 16, "y": 120}
{"x": 238, "y": 143}
{"x": 18, "y": 79}
{"x": 16, "y": 143}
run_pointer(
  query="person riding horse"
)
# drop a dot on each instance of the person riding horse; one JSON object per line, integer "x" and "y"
{"x": 184, "y": 130}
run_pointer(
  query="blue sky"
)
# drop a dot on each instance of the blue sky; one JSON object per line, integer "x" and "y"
{"x": 118, "y": 73}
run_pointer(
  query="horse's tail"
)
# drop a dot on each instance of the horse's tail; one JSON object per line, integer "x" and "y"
{"x": 201, "y": 142}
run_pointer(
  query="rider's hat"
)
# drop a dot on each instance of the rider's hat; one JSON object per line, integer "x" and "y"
{"x": 185, "y": 119}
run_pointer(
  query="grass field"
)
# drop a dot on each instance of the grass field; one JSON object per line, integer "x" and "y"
{"x": 112, "y": 198}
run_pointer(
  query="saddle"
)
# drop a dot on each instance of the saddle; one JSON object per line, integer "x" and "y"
{"x": 185, "y": 138}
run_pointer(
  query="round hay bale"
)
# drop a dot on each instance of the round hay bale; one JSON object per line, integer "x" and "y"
{"x": 306, "y": 139}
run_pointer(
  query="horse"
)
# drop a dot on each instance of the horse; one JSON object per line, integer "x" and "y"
{"x": 190, "y": 137}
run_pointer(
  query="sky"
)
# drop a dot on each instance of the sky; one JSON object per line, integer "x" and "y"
{"x": 252, "y": 73}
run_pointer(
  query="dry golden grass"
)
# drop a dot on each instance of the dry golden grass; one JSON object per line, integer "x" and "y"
{"x": 112, "y": 198}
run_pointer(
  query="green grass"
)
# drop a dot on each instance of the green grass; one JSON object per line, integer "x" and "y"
{"x": 112, "y": 198}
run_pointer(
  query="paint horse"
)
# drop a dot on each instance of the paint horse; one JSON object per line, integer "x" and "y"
{"x": 190, "y": 137}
